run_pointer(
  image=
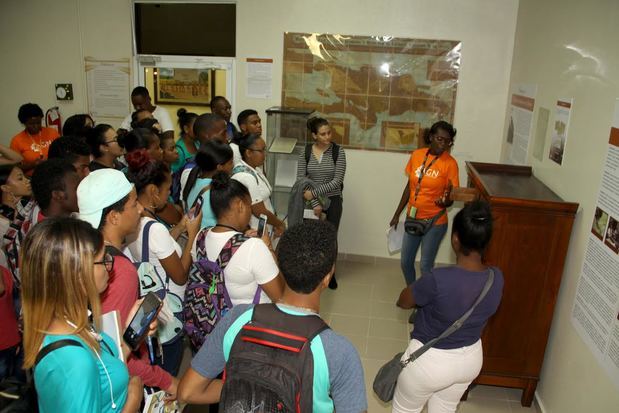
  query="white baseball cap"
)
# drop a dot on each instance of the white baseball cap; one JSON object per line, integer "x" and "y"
{"x": 99, "y": 190}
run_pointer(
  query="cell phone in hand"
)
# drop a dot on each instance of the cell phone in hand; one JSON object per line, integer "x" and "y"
{"x": 138, "y": 327}
{"x": 262, "y": 223}
{"x": 195, "y": 209}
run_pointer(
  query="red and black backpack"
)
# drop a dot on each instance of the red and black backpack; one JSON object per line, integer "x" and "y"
{"x": 271, "y": 366}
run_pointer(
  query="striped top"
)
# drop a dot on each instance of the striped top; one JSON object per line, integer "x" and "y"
{"x": 324, "y": 172}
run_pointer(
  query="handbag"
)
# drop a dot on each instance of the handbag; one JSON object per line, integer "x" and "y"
{"x": 387, "y": 377}
{"x": 419, "y": 227}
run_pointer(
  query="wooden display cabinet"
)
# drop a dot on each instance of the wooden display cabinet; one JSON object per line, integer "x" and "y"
{"x": 532, "y": 227}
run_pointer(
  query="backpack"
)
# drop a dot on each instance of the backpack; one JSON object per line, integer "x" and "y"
{"x": 171, "y": 315}
{"x": 335, "y": 154}
{"x": 242, "y": 168}
{"x": 271, "y": 367}
{"x": 176, "y": 190}
{"x": 206, "y": 297}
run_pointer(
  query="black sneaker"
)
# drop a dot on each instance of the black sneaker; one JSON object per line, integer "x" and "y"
{"x": 333, "y": 283}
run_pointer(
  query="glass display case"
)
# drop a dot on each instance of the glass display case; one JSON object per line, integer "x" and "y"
{"x": 287, "y": 136}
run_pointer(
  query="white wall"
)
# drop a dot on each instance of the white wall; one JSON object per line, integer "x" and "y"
{"x": 569, "y": 49}
{"x": 374, "y": 181}
{"x": 52, "y": 47}
{"x": 43, "y": 43}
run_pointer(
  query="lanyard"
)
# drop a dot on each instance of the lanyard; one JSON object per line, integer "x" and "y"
{"x": 422, "y": 172}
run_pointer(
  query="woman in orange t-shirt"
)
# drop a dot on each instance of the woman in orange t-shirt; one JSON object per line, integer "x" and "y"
{"x": 432, "y": 173}
{"x": 33, "y": 142}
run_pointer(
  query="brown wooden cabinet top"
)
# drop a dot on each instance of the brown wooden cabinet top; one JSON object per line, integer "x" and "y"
{"x": 515, "y": 185}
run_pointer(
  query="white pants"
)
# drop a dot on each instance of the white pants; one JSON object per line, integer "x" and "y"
{"x": 438, "y": 377}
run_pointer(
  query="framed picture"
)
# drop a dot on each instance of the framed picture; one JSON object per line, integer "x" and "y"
{"x": 184, "y": 86}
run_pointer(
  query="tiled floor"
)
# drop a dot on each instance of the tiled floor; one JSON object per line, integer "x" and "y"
{"x": 363, "y": 309}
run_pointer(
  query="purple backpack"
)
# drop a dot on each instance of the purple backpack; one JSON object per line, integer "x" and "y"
{"x": 206, "y": 296}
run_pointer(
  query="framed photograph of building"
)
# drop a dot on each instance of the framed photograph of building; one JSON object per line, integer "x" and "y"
{"x": 184, "y": 86}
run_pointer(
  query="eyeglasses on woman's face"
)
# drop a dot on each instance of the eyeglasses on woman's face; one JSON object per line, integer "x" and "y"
{"x": 108, "y": 262}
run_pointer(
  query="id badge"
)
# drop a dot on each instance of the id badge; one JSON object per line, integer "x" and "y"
{"x": 413, "y": 212}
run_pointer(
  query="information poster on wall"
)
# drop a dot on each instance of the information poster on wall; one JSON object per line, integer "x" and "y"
{"x": 558, "y": 141}
{"x": 107, "y": 83}
{"x": 521, "y": 122}
{"x": 259, "y": 77}
{"x": 543, "y": 115}
{"x": 595, "y": 315}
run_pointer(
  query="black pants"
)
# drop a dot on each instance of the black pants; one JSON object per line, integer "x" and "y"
{"x": 334, "y": 213}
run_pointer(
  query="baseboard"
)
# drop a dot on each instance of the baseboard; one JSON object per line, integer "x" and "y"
{"x": 540, "y": 405}
{"x": 366, "y": 259}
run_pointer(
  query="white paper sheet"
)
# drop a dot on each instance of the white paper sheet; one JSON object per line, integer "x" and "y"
{"x": 110, "y": 324}
{"x": 259, "y": 77}
{"x": 395, "y": 237}
{"x": 519, "y": 133}
{"x": 595, "y": 314}
{"x": 107, "y": 86}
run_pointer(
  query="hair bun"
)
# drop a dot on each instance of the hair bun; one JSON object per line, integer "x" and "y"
{"x": 137, "y": 159}
{"x": 181, "y": 112}
{"x": 221, "y": 180}
{"x": 480, "y": 212}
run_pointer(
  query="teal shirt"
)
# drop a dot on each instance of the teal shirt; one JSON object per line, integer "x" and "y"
{"x": 72, "y": 379}
{"x": 208, "y": 217}
{"x": 183, "y": 155}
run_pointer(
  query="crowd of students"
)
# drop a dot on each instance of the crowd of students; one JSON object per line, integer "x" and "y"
{"x": 95, "y": 219}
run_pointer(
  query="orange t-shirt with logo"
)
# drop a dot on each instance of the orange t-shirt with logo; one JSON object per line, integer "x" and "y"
{"x": 435, "y": 181}
{"x": 34, "y": 147}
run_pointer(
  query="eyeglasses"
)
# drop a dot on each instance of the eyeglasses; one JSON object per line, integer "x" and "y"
{"x": 115, "y": 139}
{"x": 108, "y": 262}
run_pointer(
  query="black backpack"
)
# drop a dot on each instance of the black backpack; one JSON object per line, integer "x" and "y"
{"x": 335, "y": 153}
{"x": 271, "y": 366}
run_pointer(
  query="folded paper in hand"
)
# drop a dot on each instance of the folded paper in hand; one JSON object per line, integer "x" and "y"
{"x": 395, "y": 237}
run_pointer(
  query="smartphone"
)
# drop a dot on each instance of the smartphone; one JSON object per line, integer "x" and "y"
{"x": 138, "y": 327}
{"x": 262, "y": 223}
{"x": 195, "y": 209}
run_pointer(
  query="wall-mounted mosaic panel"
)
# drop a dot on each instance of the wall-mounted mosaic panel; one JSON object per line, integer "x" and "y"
{"x": 377, "y": 92}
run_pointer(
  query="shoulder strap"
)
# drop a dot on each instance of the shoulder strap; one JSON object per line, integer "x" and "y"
{"x": 335, "y": 151}
{"x": 200, "y": 239}
{"x": 115, "y": 252}
{"x": 308, "y": 155}
{"x": 457, "y": 324}
{"x": 243, "y": 168}
{"x": 55, "y": 346}
{"x": 270, "y": 315}
{"x": 203, "y": 190}
{"x": 230, "y": 247}
{"x": 145, "y": 233}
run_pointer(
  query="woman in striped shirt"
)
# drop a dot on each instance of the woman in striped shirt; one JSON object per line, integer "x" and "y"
{"x": 324, "y": 162}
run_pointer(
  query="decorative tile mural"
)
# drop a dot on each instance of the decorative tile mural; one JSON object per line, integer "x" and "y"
{"x": 378, "y": 92}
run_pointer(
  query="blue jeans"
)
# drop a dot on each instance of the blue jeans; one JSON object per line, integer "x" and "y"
{"x": 429, "y": 247}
